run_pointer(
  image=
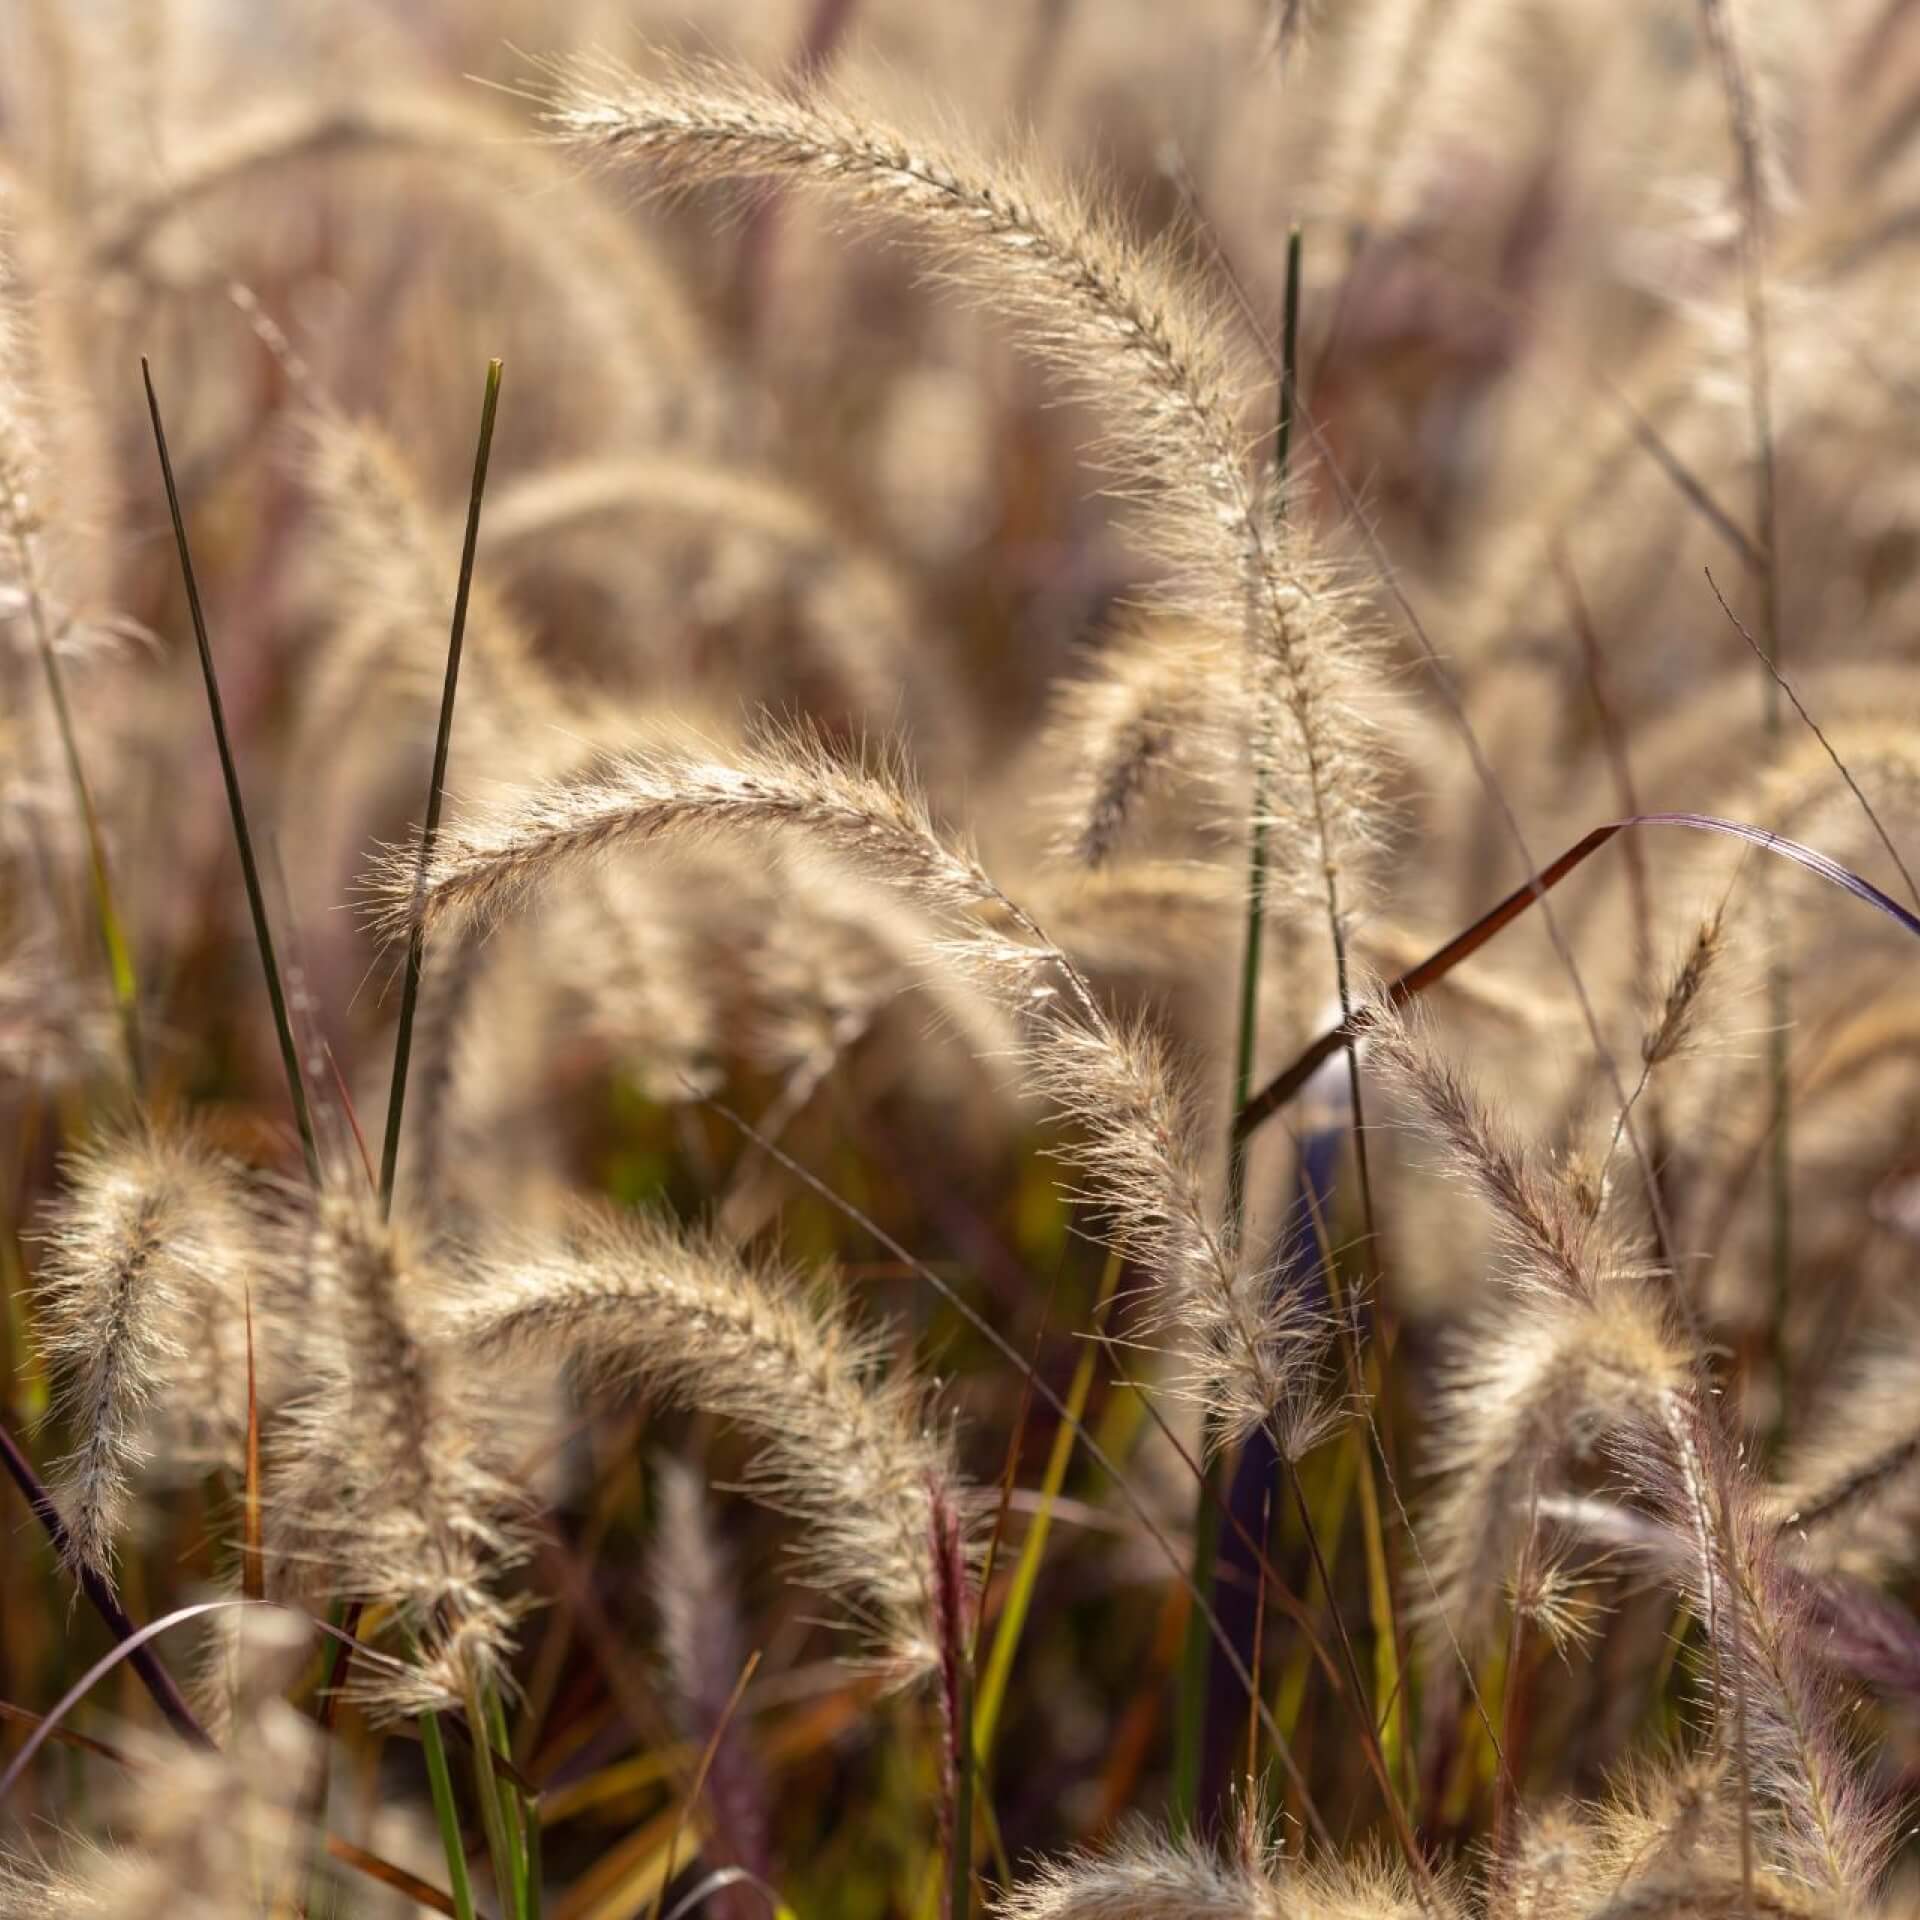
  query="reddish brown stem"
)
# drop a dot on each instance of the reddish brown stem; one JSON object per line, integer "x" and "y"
{"x": 145, "y": 1662}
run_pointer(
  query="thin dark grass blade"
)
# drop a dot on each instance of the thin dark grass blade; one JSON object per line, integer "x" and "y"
{"x": 243, "y": 838}
{"x": 503, "y": 1769}
{"x": 65, "y": 1736}
{"x": 1613, "y": 734}
{"x": 131, "y": 1641}
{"x": 337, "y": 1665}
{"x": 130, "y": 1648}
{"x": 344, "y": 1094}
{"x": 1442, "y": 961}
{"x": 1686, "y": 482}
{"x": 1813, "y": 726}
{"x": 443, "y": 740}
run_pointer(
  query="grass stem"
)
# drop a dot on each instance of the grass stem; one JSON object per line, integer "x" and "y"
{"x": 991, "y": 1691}
{"x": 436, "y": 787}
{"x": 113, "y": 939}
{"x": 243, "y": 838}
{"x": 447, "y": 1815}
{"x": 515, "y": 1815}
{"x": 144, "y": 1661}
{"x": 960, "y": 1901}
{"x": 486, "y": 1790}
{"x": 1190, "y": 1714}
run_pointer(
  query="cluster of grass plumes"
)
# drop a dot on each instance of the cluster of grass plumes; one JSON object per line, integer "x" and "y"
{"x": 987, "y": 619}
{"x": 1132, "y": 330}
{"x": 1252, "y": 1349}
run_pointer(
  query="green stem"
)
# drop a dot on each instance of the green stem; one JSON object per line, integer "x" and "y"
{"x": 447, "y": 1815}
{"x": 534, "y": 1869}
{"x": 960, "y": 1902}
{"x": 486, "y": 1787}
{"x": 992, "y": 1689}
{"x": 514, "y": 1816}
{"x": 1246, "y": 1040}
{"x": 436, "y": 788}
{"x": 336, "y": 1662}
{"x": 112, "y": 937}
{"x": 1190, "y": 1723}
{"x": 256, "y": 899}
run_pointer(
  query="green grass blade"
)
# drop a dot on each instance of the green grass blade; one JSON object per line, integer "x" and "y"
{"x": 113, "y": 939}
{"x": 960, "y": 1863}
{"x": 992, "y": 1689}
{"x": 436, "y": 788}
{"x": 487, "y": 1794}
{"x": 243, "y": 838}
{"x": 447, "y": 1815}
{"x": 496, "y": 1742}
{"x": 1190, "y": 1712}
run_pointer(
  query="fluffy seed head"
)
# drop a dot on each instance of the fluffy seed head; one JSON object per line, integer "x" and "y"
{"x": 1849, "y": 1496}
{"x": 1681, "y": 1005}
{"x": 1249, "y": 1349}
{"x": 624, "y": 1300}
{"x": 784, "y": 782}
{"x": 1531, "y": 1393}
{"x": 1145, "y": 1877}
{"x": 1153, "y": 709}
{"x": 389, "y": 1492}
{"x": 1553, "y": 1243}
{"x": 141, "y": 1308}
